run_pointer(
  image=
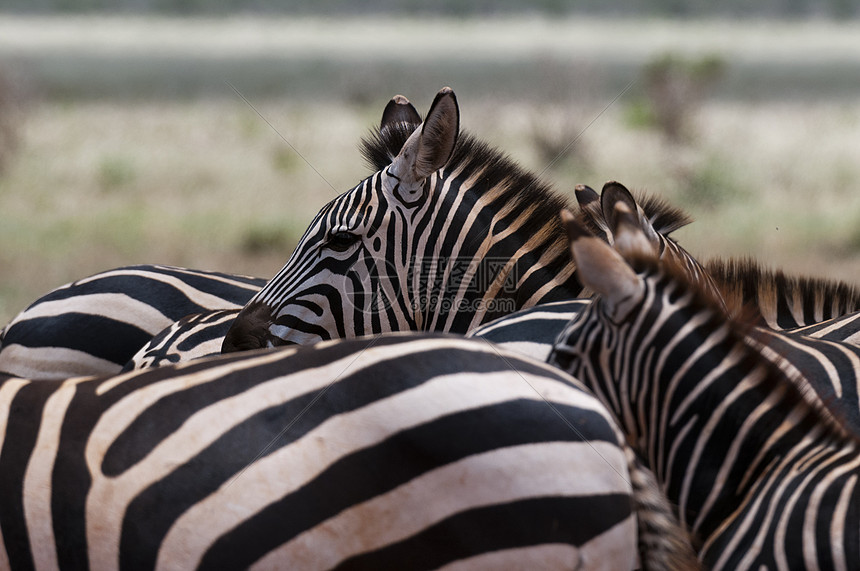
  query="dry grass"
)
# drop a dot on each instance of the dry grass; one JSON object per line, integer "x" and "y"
{"x": 99, "y": 185}
{"x": 206, "y": 183}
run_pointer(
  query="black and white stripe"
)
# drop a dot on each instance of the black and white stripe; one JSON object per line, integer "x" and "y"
{"x": 530, "y": 331}
{"x": 93, "y": 326}
{"x": 761, "y": 472}
{"x": 378, "y": 453}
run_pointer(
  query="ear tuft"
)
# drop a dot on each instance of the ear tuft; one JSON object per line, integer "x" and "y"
{"x": 429, "y": 148}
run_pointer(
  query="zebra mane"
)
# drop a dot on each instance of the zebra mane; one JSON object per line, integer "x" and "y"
{"x": 747, "y": 284}
{"x": 744, "y": 332}
{"x": 664, "y": 217}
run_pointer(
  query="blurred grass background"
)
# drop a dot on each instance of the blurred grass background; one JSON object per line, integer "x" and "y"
{"x": 123, "y": 139}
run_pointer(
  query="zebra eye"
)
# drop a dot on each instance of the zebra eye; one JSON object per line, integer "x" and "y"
{"x": 341, "y": 241}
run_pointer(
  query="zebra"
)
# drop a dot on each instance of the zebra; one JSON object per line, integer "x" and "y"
{"x": 447, "y": 234}
{"x": 530, "y": 331}
{"x": 762, "y": 474}
{"x": 93, "y": 326}
{"x": 396, "y": 451}
{"x": 789, "y": 303}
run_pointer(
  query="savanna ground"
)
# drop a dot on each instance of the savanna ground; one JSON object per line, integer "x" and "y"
{"x": 210, "y": 144}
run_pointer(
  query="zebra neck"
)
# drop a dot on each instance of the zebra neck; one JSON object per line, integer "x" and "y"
{"x": 492, "y": 254}
{"x": 725, "y": 420}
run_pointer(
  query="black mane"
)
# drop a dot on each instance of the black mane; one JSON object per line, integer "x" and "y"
{"x": 745, "y": 282}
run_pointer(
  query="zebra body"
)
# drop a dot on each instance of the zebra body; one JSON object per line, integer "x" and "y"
{"x": 400, "y": 451}
{"x": 761, "y": 473}
{"x": 842, "y": 329}
{"x": 95, "y": 325}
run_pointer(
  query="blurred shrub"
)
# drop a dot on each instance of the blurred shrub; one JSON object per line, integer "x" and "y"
{"x": 115, "y": 172}
{"x": 11, "y": 113}
{"x": 675, "y": 87}
{"x": 284, "y": 159}
{"x": 708, "y": 182}
{"x": 557, "y": 141}
{"x": 264, "y": 239}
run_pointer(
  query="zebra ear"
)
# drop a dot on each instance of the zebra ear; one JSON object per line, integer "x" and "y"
{"x": 399, "y": 110}
{"x": 603, "y": 270}
{"x": 430, "y": 146}
{"x": 616, "y": 197}
{"x": 630, "y": 238}
{"x": 592, "y": 215}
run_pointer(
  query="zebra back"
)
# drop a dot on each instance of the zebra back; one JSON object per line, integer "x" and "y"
{"x": 385, "y": 452}
{"x": 95, "y": 325}
{"x": 534, "y": 331}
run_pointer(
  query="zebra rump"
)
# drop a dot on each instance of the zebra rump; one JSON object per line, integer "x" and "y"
{"x": 388, "y": 452}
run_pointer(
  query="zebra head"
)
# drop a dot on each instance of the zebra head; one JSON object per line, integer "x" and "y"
{"x": 404, "y": 249}
{"x": 655, "y": 221}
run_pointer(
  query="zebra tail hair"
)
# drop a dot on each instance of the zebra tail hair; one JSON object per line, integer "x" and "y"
{"x": 663, "y": 542}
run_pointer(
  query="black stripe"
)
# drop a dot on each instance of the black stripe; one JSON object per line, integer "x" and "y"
{"x": 22, "y": 429}
{"x": 82, "y": 332}
{"x": 525, "y": 523}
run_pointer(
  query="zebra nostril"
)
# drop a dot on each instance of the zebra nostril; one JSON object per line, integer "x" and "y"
{"x": 249, "y": 331}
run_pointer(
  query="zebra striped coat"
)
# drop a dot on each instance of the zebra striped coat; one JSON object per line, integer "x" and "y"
{"x": 388, "y": 452}
{"x": 93, "y": 326}
{"x": 761, "y": 473}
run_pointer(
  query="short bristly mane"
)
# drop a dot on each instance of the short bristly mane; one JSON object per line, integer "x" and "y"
{"x": 744, "y": 333}
{"x": 381, "y": 146}
{"x": 745, "y": 282}
{"x": 664, "y": 217}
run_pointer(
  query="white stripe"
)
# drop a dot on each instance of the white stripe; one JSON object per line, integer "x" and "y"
{"x": 38, "y": 481}
{"x": 117, "y": 306}
{"x": 8, "y": 390}
{"x": 837, "y": 527}
{"x": 52, "y": 363}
